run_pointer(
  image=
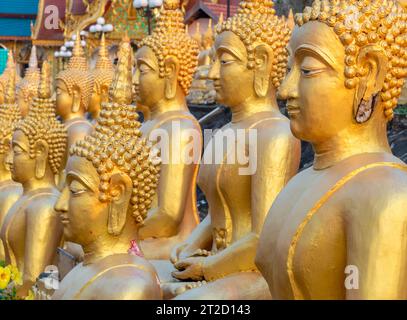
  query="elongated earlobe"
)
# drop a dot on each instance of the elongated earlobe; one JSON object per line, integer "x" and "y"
{"x": 262, "y": 70}
{"x": 120, "y": 192}
{"x": 171, "y": 66}
{"x": 76, "y": 101}
{"x": 41, "y": 158}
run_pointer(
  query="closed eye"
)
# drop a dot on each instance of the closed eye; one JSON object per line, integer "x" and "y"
{"x": 310, "y": 72}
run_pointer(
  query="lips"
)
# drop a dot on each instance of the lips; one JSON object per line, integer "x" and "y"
{"x": 293, "y": 110}
{"x": 64, "y": 219}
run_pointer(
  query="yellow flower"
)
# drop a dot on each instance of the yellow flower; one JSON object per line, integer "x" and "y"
{"x": 30, "y": 295}
{"x": 16, "y": 275}
{"x": 5, "y": 275}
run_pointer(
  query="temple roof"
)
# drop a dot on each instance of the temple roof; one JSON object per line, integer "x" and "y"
{"x": 208, "y": 9}
{"x": 16, "y": 17}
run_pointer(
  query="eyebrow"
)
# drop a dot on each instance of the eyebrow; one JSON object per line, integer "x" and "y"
{"x": 84, "y": 181}
{"x": 231, "y": 51}
{"x": 311, "y": 48}
{"x": 146, "y": 62}
{"x": 18, "y": 145}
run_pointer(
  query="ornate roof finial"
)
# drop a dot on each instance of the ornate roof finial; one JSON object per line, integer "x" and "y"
{"x": 120, "y": 90}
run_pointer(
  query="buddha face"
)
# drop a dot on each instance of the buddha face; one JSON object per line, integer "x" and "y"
{"x": 149, "y": 86}
{"x": 233, "y": 81}
{"x": 64, "y": 100}
{"x": 22, "y": 167}
{"x": 83, "y": 215}
{"x": 6, "y": 144}
{"x": 318, "y": 103}
{"x": 23, "y": 103}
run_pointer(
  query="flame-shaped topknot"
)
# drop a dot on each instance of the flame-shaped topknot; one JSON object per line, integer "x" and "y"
{"x": 103, "y": 62}
{"x": 120, "y": 90}
{"x": 78, "y": 60}
{"x": 44, "y": 89}
{"x": 10, "y": 94}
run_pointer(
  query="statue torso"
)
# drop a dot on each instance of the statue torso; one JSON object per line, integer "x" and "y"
{"x": 15, "y": 226}
{"x": 303, "y": 248}
{"x": 116, "y": 277}
{"x": 227, "y": 191}
{"x": 10, "y": 192}
{"x": 166, "y": 122}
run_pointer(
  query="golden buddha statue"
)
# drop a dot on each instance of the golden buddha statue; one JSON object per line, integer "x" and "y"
{"x": 31, "y": 230}
{"x": 27, "y": 88}
{"x": 4, "y": 77}
{"x": 337, "y": 230}
{"x": 202, "y": 90}
{"x": 10, "y": 191}
{"x": 166, "y": 62}
{"x": 103, "y": 76}
{"x": 250, "y": 63}
{"x": 74, "y": 87}
{"x": 111, "y": 179}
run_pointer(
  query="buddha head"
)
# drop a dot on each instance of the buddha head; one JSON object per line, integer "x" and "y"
{"x": 347, "y": 67}
{"x": 9, "y": 116}
{"x": 39, "y": 140}
{"x": 103, "y": 76}
{"x": 4, "y": 78}
{"x": 27, "y": 88}
{"x": 251, "y": 54}
{"x": 74, "y": 84}
{"x": 111, "y": 177}
{"x": 166, "y": 60}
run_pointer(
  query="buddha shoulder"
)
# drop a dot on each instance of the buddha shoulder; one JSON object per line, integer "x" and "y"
{"x": 43, "y": 203}
{"x": 377, "y": 192}
{"x": 133, "y": 278}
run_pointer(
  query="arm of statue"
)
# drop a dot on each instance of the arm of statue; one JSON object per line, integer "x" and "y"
{"x": 277, "y": 161}
{"x": 43, "y": 235}
{"x": 177, "y": 179}
{"x": 199, "y": 239}
{"x": 377, "y": 241}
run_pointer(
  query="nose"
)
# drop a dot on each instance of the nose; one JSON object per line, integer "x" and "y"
{"x": 61, "y": 206}
{"x": 214, "y": 70}
{"x": 289, "y": 87}
{"x": 9, "y": 158}
{"x": 136, "y": 77}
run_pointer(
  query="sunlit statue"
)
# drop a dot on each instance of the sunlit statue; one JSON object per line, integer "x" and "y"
{"x": 74, "y": 87}
{"x": 27, "y": 88}
{"x": 250, "y": 63}
{"x": 103, "y": 76}
{"x": 31, "y": 230}
{"x": 111, "y": 180}
{"x": 338, "y": 229}
{"x": 166, "y": 62}
{"x": 10, "y": 114}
